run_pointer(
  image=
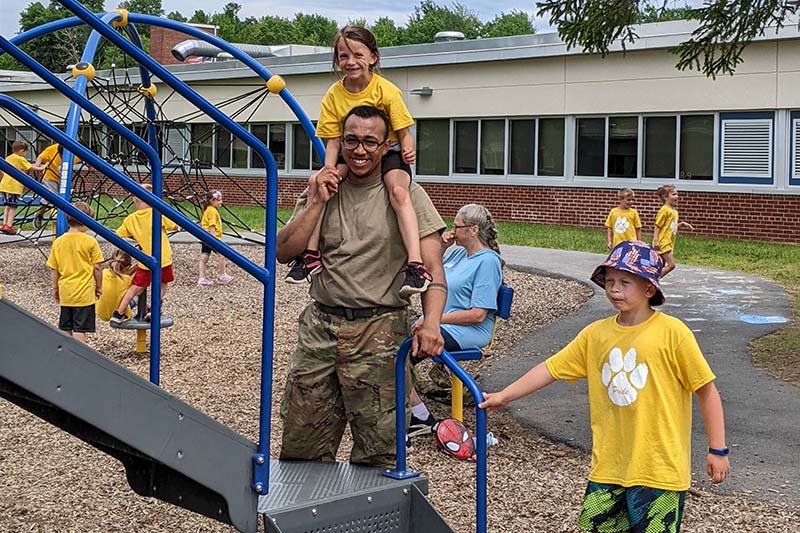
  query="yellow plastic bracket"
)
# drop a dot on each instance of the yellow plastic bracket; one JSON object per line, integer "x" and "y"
{"x": 276, "y": 84}
{"x": 120, "y": 22}
{"x": 149, "y": 91}
{"x": 83, "y": 69}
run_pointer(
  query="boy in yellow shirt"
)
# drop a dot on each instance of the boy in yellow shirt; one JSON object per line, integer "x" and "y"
{"x": 665, "y": 231}
{"x": 641, "y": 367}
{"x": 49, "y": 160}
{"x": 11, "y": 188}
{"x": 623, "y": 222}
{"x": 76, "y": 276}
{"x": 139, "y": 226}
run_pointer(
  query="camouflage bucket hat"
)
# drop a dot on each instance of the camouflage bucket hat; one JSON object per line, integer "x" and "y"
{"x": 638, "y": 258}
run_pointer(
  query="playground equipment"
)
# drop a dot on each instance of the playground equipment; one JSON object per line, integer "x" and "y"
{"x": 170, "y": 450}
{"x": 140, "y": 323}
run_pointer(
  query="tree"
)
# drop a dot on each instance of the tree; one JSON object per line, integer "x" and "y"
{"x": 386, "y": 32}
{"x": 314, "y": 29}
{"x": 200, "y": 17}
{"x": 725, "y": 27}
{"x": 651, "y": 13}
{"x": 429, "y": 19}
{"x": 176, "y": 16}
{"x": 507, "y": 24}
{"x": 275, "y": 30}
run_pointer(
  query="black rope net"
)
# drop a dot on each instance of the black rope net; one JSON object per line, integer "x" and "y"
{"x": 193, "y": 154}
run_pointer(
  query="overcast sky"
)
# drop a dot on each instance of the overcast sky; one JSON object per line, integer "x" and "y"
{"x": 399, "y": 11}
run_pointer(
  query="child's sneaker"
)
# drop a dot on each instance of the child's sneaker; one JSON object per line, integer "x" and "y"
{"x": 421, "y": 427}
{"x": 222, "y": 279}
{"x": 304, "y": 266}
{"x": 37, "y": 220}
{"x": 204, "y": 282}
{"x": 8, "y": 230}
{"x": 417, "y": 280}
{"x": 117, "y": 318}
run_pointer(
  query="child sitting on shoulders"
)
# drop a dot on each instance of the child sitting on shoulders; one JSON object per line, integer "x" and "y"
{"x": 666, "y": 228}
{"x": 623, "y": 223}
{"x": 116, "y": 282}
{"x": 212, "y": 223}
{"x": 641, "y": 367}
{"x": 139, "y": 226}
{"x": 74, "y": 261}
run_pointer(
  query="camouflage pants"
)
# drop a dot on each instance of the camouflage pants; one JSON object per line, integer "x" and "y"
{"x": 342, "y": 371}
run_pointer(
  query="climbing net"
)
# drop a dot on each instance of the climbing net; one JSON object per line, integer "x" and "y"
{"x": 192, "y": 153}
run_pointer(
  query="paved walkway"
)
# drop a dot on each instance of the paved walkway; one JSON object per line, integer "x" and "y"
{"x": 726, "y": 311}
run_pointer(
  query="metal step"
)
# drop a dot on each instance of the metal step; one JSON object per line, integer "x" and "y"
{"x": 308, "y": 497}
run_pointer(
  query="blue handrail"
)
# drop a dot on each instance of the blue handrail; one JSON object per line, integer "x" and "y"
{"x": 401, "y": 471}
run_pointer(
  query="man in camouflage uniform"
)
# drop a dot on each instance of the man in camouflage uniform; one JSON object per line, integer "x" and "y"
{"x": 343, "y": 367}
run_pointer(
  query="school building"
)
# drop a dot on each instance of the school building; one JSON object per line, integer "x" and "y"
{"x": 539, "y": 133}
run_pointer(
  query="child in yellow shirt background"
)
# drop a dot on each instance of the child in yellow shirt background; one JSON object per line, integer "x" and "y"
{"x": 622, "y": 222}
{"x": 665, "y": 232}
{"x": 212, "y": 223}
{"x": 11, "y": 188}
{"x": 116, "y": 282}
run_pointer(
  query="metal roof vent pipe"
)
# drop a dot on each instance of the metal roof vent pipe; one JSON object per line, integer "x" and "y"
{"x": 198, "y": 48}
{"x": 446, "y": 36}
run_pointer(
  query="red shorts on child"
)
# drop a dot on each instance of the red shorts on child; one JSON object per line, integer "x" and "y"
{"x": 142, "y": 278}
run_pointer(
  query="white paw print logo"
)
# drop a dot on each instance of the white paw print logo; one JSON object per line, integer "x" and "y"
{"x": 674, "y": 226}
{"x": 621, "y": 225}
{"x": 623, "y": 377}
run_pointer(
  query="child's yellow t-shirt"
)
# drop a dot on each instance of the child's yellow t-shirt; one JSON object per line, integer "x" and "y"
{"x": 139, "y": 226}
{"x": 623, "y": 224}
{"x": 114, "y": 288}
{"x": 8, "y": 184}
{"x": 667, "y": 222}
{"x": 74, "y": 255}
{"x": 52, "y": 158}
{"x": 211, "y": 218}
{"x": 640, "y": 381}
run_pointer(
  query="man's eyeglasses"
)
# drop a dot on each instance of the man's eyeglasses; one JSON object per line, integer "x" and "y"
{"x": 351, "y": 142}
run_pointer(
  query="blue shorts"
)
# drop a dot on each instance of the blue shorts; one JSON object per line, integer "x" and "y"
{"x": 11, "y": 200}
{"x": 616, "y": 509}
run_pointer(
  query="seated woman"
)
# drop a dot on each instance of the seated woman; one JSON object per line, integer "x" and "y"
{"x": 473, "y": 269}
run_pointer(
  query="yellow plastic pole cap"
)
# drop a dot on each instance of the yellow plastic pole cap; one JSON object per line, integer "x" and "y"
{"x": 122, "y": 21}
{"x": 83, "y": 69}
{"x": 276, "y": 84}
{"x": 149, "y": 91}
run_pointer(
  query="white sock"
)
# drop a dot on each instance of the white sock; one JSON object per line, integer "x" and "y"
{"x": 420, "y": 411}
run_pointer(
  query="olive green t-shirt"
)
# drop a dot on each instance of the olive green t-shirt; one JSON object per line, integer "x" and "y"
{"x": 363, "y": 255}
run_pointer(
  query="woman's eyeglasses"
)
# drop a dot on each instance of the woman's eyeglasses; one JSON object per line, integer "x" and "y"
{"x": 456, "y": 226}
{"x": 352, "y": 142}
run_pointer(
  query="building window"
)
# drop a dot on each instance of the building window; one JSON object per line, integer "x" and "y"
{"x": 201, "y": 148}
{"x": 697, "y": 147}
{"x": 222, "y": 147}
{"x": 550, "y": 151}
{"x": 465, "y": 151}
{"x": 794, "y": 149}
{"x": 623, "y": 147}
{"x": 746, "y": 147}
{"x": 433, "y": 147}
{"x": 659, "y": 146}
{"x": 303, "y": 155}
{"x": 493, "y": 147}
{"x": 239, "y": 151}
{"x": 590, "y": 146}
{"x": 174, "y": 144}
{"x": 521, "y": 146}
{"x": 274, "y": 136}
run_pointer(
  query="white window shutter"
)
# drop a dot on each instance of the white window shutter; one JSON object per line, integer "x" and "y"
{"x": 747, "y": 148}
{"x": 796, "y": 148}
{"x": 176, "y": 147}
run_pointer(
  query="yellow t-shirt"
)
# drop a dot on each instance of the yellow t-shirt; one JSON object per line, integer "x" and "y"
{"x": 623, "y": 224}
{"x": 52, "y": 158}
{"x": 114, "y": 288}
{"x": 640, "y": 381}
{"x": 8, "y": 184}
{"x": 139, "y": 225}
{"x": 211, "y": 218}
{"x": 667, "y": 222}
{"x": 380, "y": 93}
{"x": 74, "y": 255}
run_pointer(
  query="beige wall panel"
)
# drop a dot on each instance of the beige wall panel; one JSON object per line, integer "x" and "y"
{"x": 658, "y": 64}
{"x": 500, "y": 73}
{"x": 507, "y": 101}
{"x": 789, "y": 90}
{"x": 748, "y": 92}
{"x": 789, "y": 56}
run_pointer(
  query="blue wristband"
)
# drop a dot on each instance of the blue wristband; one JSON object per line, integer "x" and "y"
{"x": 715, "y": 451}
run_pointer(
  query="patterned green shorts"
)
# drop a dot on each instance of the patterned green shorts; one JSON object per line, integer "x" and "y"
{"x": 617, "y": 509}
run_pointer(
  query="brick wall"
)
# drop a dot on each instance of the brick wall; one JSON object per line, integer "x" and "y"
{"x": 759, "y": 217}
{"x": 163, "y": 39}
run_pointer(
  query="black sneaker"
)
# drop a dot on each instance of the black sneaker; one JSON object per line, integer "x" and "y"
{"x": 421, "y": 427}
{"x": 417, "y": 280}
{"x": 37, "y": 220}
{"x": 117, "y": 318}
{"x": 304, "y": 266}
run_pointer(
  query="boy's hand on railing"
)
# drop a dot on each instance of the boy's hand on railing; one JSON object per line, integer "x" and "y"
{"x": 492, "y": 400}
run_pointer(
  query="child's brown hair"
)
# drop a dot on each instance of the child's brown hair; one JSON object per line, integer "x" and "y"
{"x": 664, "y": 191}
{"x": 83, "y": 207}
{"x": 624, "y": 193}
{"x": 16, "y": 146}
{"x": 120, "y": 263}
{"x": 210, "y": 197}
{"x": 359, "y": 34}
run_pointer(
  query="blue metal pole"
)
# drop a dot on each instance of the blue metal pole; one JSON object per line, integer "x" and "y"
{"x": 261, "y": 465}
{"x": 400, "y": 471}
